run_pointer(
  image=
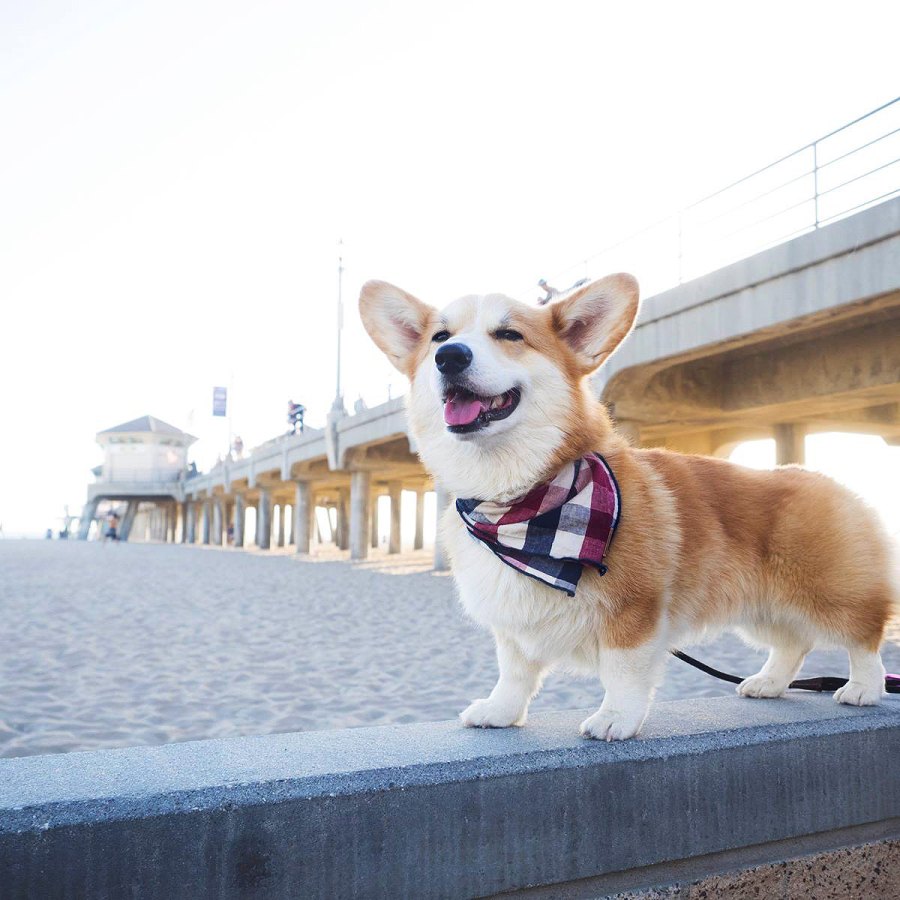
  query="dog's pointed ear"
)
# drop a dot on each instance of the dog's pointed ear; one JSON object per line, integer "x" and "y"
{"x": 596, "y": 319}
{"x": 395, "y": 320}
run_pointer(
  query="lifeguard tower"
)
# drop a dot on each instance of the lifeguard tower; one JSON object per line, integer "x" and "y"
{"x": 144, "y": 462}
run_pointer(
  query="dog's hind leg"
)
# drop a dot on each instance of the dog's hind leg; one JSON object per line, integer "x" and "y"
{"x": 520, "y": 679}
{"x": 866, "y": 684}
{"x": 630, "y": 678}
{"x": 784, "y": 662}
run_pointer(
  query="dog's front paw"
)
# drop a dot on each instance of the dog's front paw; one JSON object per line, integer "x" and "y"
{"x": 612, "y": 725}
{"x": 489, "y": 713}
{"x": 761, "y": 686}
{"x": 855, "y": 694}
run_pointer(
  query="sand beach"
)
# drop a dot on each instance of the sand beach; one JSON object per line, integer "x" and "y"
{"x": 136, "y": 644}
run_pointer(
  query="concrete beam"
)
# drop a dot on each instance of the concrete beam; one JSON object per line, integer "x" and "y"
{"x": 790, "y": 444}
{"x": 304, "y": 511}
{"x": 342, "y": 532}
{"x": 437, "y": 810}
{"x": 217, "y": 522}
{"x": 205, "y": 523}
{"x": 821, "y": 374}
{"x": 191, "y": 522}
{"x": 395, "y": 491}
{"x": 360, "y": 490}
{"x": 264, "y": 519}
{"x": 282, "y": 526}
{"x": 239, "y": 512}
{"x": 373, "y": 524}
{"x": 87, "y": 517}
{"x": 441, "y": 561}
{"x": 419, "y": 540}
{"x": 128, "y": 519}
{"x": 815, "y": 278}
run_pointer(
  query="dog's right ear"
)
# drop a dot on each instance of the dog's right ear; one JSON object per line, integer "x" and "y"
{"x": 395, "y": 320}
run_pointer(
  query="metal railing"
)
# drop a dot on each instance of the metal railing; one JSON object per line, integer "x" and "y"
{"x": 141, "y": 476}
{"x": 843, "y": 172}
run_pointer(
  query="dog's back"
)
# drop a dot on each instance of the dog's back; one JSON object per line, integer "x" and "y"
{"x": 786, "y": 547}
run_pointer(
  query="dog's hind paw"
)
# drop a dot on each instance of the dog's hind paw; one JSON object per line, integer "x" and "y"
{"x": 487, "y": 713}
{"x": 761, "y": 686}
{"x": 855, "y": 694}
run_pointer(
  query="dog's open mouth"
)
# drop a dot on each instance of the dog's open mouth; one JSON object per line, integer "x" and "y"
{"x": 465, "y": 412}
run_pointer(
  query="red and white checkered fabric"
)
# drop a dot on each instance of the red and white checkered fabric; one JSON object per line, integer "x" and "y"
{"x": 557, "y": 528}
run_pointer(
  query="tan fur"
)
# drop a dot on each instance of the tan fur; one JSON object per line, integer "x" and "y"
{"x": 788, "y": 557}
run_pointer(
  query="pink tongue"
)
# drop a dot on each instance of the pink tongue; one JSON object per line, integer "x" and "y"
{"x": 462, "y": 412}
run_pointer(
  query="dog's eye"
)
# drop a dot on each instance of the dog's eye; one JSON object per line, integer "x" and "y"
{"x": 507, "y": 334}
{"x": 440, "y": 337}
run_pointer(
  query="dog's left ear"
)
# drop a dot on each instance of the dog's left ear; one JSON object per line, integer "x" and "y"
{"x": 596, "y": 319}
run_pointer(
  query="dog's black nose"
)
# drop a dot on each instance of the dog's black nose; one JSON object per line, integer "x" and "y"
{"x": 451, "y": 359}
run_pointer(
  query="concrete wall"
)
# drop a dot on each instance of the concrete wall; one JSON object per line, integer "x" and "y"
{"x": 436, "y": 810}
{"x": 805, "y": 332}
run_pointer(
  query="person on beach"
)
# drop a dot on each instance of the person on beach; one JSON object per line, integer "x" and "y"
{"x": 112, "y": 527}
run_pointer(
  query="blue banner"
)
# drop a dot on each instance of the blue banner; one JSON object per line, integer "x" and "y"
{"x": 220, "y": 401}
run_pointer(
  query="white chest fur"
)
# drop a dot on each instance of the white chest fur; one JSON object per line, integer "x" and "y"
{"x": 548, "y": 625}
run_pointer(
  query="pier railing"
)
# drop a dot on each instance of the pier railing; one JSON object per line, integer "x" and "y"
{"x": 845, "y": 171}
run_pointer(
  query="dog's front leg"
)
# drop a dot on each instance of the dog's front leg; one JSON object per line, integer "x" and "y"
{"x": 520, "y": 679}
{"x": 630, "y": 678}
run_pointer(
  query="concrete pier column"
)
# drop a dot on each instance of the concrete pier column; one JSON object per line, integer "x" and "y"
{"x": 191, "y": 522}
{"x": 343, "y": 519}
{"x": 264, "y": 520}
{"x": 790, "y": 440}
{"x": 87, "y": 516}
{"x": 441, "y": 562}
{"x": 282, "y": 526}
{"x": 204, "y": 522}
{"x": 373, "y": 521}
{"x": 316, "y": 522}
{"x": 395, "y": 489}
{"x": 128, "y": 519}
{"x": 185, "y": 513}
{"x": 419, "y": 540}
{"x": 303, "y": 516}
{"x": 238, "y": 522}
{"x": 360, "y": 488}
{"x": 217, "y": 522}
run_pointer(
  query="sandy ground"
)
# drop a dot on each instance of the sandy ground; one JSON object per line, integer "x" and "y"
{"x": 110, "y": 646}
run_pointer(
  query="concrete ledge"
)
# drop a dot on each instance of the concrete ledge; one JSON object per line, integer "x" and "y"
{"x": 439, "y": 811}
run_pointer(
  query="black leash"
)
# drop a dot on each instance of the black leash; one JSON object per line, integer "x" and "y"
{"x": 824, "y": 683}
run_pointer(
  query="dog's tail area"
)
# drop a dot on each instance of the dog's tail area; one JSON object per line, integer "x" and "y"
{"x": 894, "y": 581}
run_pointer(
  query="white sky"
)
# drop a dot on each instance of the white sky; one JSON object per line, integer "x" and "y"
{"x": 174, "y": 178}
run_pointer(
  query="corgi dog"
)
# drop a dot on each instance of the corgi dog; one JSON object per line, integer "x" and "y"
{"x": 500, "y": 404}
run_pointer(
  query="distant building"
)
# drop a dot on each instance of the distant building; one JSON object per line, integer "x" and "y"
{"x": 144, "y": 461}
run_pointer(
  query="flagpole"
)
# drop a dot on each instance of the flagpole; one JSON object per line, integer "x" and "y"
{"x": 338, "y": 397}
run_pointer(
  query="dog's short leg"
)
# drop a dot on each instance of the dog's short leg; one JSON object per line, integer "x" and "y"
{"x": 866, "y": 684}
{"x": 779, "y": 671}
{"x": 520, "y": 679}
{"x": 630, "y": 678}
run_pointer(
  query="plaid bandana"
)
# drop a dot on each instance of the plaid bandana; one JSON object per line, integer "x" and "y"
{"x": 556, "y": 529}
